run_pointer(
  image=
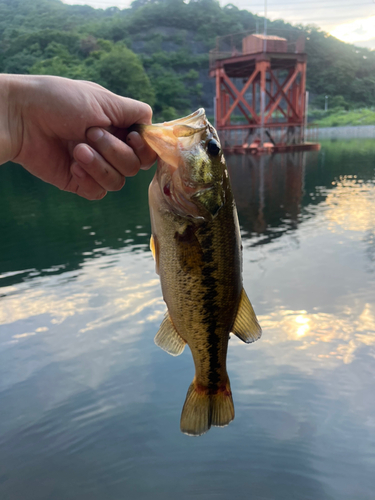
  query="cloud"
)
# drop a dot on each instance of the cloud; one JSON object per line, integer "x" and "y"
{"x": 351, "y": 25}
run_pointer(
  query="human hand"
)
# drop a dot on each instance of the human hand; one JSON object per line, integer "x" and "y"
{"x": 71, "y": 133}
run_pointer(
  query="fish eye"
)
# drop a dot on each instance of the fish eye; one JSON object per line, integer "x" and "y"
{"x": 213, "y": 147}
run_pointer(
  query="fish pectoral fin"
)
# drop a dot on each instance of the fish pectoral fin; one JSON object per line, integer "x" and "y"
{"x": 154, "y": 247}
{"x": 168, "y": 339}
{"x": 246, "y": 325}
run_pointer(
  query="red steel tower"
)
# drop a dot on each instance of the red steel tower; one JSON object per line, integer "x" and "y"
{"x": 260, "y": 99}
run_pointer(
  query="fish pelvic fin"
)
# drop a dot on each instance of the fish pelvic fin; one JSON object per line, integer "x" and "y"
{"x": 154, "y": 247}
{"x": 168, "y": 339}
{"x": 202, "y": 409}
{"x": 246, "y": 325}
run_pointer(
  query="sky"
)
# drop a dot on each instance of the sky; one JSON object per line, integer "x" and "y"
{"x": 350, "y": 21}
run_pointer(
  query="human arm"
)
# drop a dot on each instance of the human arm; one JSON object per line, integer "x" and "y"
{"x": 51, "y": 126}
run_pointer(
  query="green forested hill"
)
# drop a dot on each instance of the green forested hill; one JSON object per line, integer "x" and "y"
{"x": 157, "y": 50}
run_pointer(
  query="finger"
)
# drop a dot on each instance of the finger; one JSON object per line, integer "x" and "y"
{"x": 84, "y": 185}
{"x": 124, "y": 111}
{"x": 98, "y": 168}
{"x": 114, "y": 151}
{"x": 146, "y": 155}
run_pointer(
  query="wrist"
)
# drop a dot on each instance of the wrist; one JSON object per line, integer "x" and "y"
{"x": 10, "y": 117}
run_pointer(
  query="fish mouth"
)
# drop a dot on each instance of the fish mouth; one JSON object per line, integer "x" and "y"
{"x": 170, "y": 139}
{"x": 180, "y": 145}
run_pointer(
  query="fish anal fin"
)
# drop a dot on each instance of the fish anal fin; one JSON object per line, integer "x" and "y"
{"x": 246, "y": 325}
{"x": 202, "y": 409}
{"x": 154, "y": 247}
{"x": 168, "y": 339}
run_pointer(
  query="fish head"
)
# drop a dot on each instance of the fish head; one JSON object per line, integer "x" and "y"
{"x": 191, "y": 168}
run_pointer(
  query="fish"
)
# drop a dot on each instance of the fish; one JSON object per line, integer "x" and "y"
{"x": 196, "y": 245}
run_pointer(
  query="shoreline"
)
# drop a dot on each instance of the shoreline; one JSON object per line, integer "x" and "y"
{"x": 347, "y": 131}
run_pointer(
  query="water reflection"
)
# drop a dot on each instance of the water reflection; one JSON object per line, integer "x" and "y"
{"x": 351, "y": 205}
{"x": 90, "y": 407}
{"x": 268, "y": 191}
{"x": 334, "y": 337}
{"x": 46, "y": 231}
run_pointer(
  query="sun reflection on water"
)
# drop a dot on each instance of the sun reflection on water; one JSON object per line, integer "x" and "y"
{"x": 304, "y": 328}
{"x": 321, "y": 335}
{"x": 351, "y": 205}
{"x": 107, "y": 291}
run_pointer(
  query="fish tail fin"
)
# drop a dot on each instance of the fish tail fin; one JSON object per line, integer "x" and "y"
{"x": 203, "y": 409}
{"x": 196, "y": 413}
{"x": 222, "y": 407}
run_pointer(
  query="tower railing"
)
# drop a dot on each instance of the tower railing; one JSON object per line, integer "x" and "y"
{"x": 232, "y": 45}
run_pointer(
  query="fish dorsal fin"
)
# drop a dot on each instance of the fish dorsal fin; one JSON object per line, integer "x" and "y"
{"x": 168, "y": 339}
{"x": 246, "y": 325}
{"x": 186, "y": 130}
{"x": 154, "y": 247}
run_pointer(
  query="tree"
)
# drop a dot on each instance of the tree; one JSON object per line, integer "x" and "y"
{"x": 171, "y": 37}
{"x": 120, "y": 70}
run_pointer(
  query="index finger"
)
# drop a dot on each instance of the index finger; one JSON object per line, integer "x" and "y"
{"x": 124, "y": 112}
{"x": 146, "y": 155}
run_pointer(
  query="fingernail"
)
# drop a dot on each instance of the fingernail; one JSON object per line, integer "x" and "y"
{"x": 78, "y": 171}
{"x": 94, "y": 134}
{"x": 135, "y": 140}
{"x": 84, "y": 154}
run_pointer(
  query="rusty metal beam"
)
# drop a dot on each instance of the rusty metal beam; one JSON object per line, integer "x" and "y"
{"x": 231, "y": 87}
{"x": 246, "y": 126}
{"x": 273, "y": 99}
{"x": 273, "y": 78}
{"x": 240, "y": 96}
{"x": 282, "y": 92}
{"x": 242, "y": 109}
{"x": 303, "y": 100}
{"x": 218, "y": 97}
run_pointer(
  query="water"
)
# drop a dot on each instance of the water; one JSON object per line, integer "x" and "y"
{"x": 90, "y": 407}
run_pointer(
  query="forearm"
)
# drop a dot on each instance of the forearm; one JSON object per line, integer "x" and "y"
{"x": 10, "y": 117}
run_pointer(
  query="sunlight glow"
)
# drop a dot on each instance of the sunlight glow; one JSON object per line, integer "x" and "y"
{"x": 351, "y": 206}
{"x": 128, "y": 295}
{"x": 357, "y": 31}
{"x": 321, "y": 335}
{"x": 304, "y": 328}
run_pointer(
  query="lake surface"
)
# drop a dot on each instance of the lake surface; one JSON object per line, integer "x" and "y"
{"x": 90, "y": 407}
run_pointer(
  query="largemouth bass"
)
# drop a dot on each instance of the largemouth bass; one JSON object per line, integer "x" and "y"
{"x": 196, "y": 244}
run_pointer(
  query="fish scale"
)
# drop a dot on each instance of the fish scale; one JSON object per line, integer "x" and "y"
{"x": 197, "y": 247}
{"x": 209, "y": 290}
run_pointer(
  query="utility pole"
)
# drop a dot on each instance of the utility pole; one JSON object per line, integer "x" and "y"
{"x": 263, "y": 83}
{"x": 326, "y": 103}
{"x": 265, "y": 26}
